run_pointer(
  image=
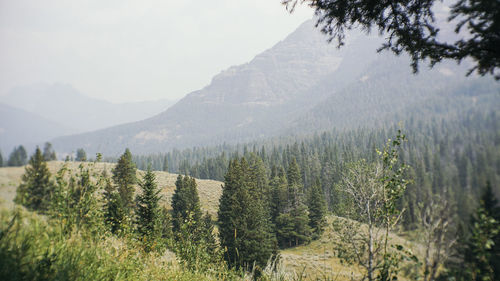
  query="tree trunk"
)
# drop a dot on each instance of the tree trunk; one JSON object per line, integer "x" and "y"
{"x": 370, "y": 244}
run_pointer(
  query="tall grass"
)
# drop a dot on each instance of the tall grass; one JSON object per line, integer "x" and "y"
{"x": 31, "y": 248}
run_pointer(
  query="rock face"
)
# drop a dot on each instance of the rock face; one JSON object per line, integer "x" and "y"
{"x": 300, "y": 85}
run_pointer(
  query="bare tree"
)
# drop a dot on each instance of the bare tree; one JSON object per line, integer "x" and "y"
{"x": 373, "y": 191}
{"x": 438, "y": 234}
{"x": 361, "y": 238}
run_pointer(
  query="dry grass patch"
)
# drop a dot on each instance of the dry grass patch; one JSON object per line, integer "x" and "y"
{"x": 318, "y": 260}
{"x": 209, "y": 190}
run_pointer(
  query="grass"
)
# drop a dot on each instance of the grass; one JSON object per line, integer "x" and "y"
{"x": 33, "y": 249}
{"x": 315, "y": 261}
{"x": 318, "y": 260}
{"x": 208, "y": 190}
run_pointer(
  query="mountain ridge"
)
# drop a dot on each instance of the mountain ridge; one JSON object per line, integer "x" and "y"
{"x": 20, "y": 127}
{"x": 63, "y": 103}
{"x": 286, "y": 89}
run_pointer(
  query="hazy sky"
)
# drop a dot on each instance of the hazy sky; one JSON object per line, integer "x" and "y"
{"x": 130, "y": 50}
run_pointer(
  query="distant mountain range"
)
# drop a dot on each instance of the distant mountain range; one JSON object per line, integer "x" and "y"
{"x": 18, "y": 126}
{"x": 302, "y": 84}
{"x": 61, "y": 110}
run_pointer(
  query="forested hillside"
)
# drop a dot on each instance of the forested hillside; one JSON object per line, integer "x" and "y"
{"x": 457, "y": 156}
{"x": 278, "y": 197}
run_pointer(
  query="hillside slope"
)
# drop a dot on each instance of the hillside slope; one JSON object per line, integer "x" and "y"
{"x": 208, "y": 190}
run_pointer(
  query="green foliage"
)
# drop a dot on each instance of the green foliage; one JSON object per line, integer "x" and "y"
{"x": 148, "y": 211}
{"x": 279, "y": 196}
{"x": 394, "y": 187}
{"x": 374, "y": 191}
{"x": 293, "y": 174}
{"x": 124, "y": 177}
{"x": 48, "y": 152}
{"x": 165, "y": 164}
{"x": 411, "y": 28}
{"x": 36, "y": 190}
{"x": 317, "y": 209}
{"x": 292, "y": 223}
{"x": 478, "y": 256}
{"x": 1, "y": 160}
{"x": 75, "y": 202}
{"x": 165, "y": 224}
{"x": 479, "y": 251}
{"x": 114, "y": 215}
{"x": 33, "y": 248}
{"x": 245, "y": 231}
{"x": 17, "y": 157}
{"x": 195, "y": 245}
{"x": 81, "y": 155}
{"x": 481, "y": 19}
{"x": 185, "y": 203}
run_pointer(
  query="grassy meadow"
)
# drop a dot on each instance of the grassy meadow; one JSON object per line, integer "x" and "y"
{"x": 314, "y": 261}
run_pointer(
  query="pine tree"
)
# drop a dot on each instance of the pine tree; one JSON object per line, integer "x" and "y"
{"x": 317, "y": 209}
{"x": 293, "y": 174}
{"x": 482, "y": 253}
{"x": 279, "y": 195}
{"x": 194, "y": 241}
{"x": 81, "y": 155}
{"x": 258, "y": 177}
{"x": 293, "y": 224}
{"x": 1, "y": 160}
{"x": 148, "y": 209}
{"x": 185, "y": 203}
{"x": 207, "y": 234}
{"x": 114, "y": 213}
{"x": 36, "y": 188}
{"x": 48, "y": 153}
{"x": 492, "y": 209}
{"x": 244, "y": 227}
{"x": 165, "y": 224}
{"x": 165, "y": 164}
{"x": 84, "y": 203}
{"x": 17, "y": 157}
{"x": 124, "y": 176}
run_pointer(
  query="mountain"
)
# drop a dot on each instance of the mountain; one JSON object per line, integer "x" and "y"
{"x": 18, "y": 127}
{"x": 386, "y": 92}
{"x": 302, "y": 84}
{"x": 64, "y": 104}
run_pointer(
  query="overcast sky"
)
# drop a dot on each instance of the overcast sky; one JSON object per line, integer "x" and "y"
{"x": 131, "y": 50}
